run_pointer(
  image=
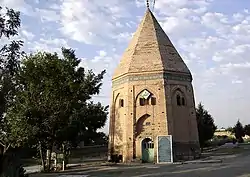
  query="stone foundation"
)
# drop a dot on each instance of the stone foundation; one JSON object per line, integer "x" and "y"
{"x": 186, "y": 151}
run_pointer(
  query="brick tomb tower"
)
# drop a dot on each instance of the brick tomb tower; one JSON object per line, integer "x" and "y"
{"x": 152, "y": 115}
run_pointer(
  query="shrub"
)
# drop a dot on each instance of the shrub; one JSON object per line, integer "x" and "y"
{"x": 10, "y": 166}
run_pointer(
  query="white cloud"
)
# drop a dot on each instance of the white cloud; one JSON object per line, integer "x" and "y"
{"x": 102, "y": 53}
{"x": 48, "y": 15}
{"x": 27, "y": 34}
{"x": 123, "y": 37}
{"x": 92, "y": 22}
{"x": 48, "y": 45}
{"x": 237, "y": 82}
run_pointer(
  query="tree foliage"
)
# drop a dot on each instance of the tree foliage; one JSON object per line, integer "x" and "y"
{"x": 205, "y": 123}
{"x": 229, "y": 129}
{"x": 247, "y": 129}
{"x": 10, "y": 52}
{"x": 100, "y": 139}
{"x": 90, "y": 119}
{"x": 51, "y": 104}
{"x": 239, "y": 131}
{"x": 9, "y": 56}
{"x": 9, "y": 63}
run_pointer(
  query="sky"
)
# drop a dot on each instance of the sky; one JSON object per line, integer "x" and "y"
{"x": 213, "y": 38}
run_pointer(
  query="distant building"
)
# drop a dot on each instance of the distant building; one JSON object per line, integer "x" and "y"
{"x": 152, "y": 114}
{"x": 223, "y": 132}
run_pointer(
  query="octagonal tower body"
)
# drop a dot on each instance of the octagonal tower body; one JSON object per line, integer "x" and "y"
{"x": 152, "y": 95}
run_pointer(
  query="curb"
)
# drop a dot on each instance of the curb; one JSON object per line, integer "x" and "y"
{"x": 87, "y": 164}
{"x": 178, "y": 163}
{"x": 210, "y": 150}
{"x": 205, "y": 161}
{"x": 37, "y": 168}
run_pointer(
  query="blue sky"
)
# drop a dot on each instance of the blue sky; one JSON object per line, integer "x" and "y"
{"x": 211, "y": 36}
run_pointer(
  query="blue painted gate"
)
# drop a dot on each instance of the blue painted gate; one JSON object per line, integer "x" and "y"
{"x": 165, "y": 154}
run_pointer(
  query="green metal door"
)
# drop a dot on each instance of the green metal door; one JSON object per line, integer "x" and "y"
{"x": 147, "y": 151}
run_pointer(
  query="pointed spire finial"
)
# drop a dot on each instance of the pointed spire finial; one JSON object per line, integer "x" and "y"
{"x": 147, "y": 3}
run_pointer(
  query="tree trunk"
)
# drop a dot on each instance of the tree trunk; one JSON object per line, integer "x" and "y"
{"x": 49, "y": 151}
{"x": 65, "y": 155}
{"x": 63, "y": 150}
{"x": 42, "y": 156}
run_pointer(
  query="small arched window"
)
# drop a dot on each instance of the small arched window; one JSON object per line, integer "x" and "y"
{"x": 183, "y": 103}
{"x": 178, "y": 100}
{"x": 144, "y": 97}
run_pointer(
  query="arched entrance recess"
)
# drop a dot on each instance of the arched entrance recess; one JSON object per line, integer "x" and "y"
{"x": 147, "y": 149}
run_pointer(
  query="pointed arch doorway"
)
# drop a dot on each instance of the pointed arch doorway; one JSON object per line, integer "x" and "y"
{"x": 147, "y": 150}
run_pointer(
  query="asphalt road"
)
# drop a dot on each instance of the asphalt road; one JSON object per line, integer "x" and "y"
{"x": 231, "y": 166}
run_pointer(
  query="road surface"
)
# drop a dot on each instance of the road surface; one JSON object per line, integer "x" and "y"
{"x": 231, "y": 166}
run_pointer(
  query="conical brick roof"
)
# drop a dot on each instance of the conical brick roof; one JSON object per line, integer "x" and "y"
{"x": 150, "y": 50}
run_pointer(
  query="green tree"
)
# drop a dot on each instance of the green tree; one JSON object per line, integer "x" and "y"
{"x": 101, "y": 139}
{"x": 205, "y": 123}
{"x": 9, "y": 56}
{"x": 51, "y": 102}
{"x": 239, "y": 131}
{"x": 229, "y": 129}
{"x": 10, "y": 53}
{"x": 247, "y": 129}
{"x": 89, "y": 120}
{"x": 9, "y": 64}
